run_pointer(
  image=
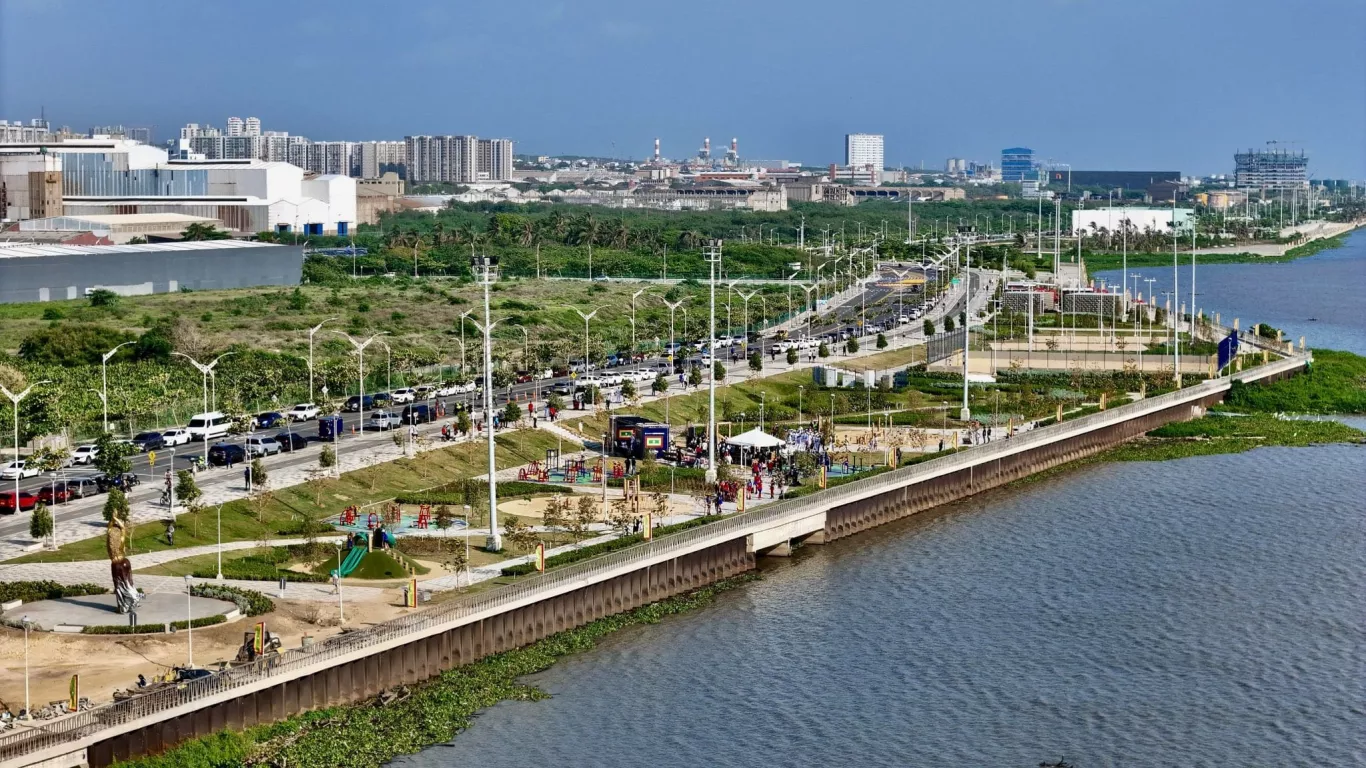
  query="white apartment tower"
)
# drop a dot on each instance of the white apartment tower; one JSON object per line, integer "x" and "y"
{"x": 863, "y": 150}
{"x": 235, "y": 125}
{"x": 252, "y": 127}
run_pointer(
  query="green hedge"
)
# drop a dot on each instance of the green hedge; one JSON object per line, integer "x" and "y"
{"x": 249, "y": 602}
{"x": 247, "y": 569}
{"x": 33, "y": 591}
{"x": 583, "y": 553}
{"x": 147, "y": 629}
{"x": 452, "y": 495}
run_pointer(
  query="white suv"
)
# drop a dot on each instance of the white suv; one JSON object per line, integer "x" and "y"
{"x": 303, "y": 412}
{"x": 405, "y": 395}
{"x": 84, "y": 455}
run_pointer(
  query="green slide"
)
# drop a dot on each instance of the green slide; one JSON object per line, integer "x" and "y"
{"x": 352, "y": 561}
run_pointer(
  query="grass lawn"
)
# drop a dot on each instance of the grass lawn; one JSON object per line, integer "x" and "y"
{"x": 898, "y": 358}
{"x": 282, "y": 513}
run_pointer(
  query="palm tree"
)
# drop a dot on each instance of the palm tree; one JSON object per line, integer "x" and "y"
{"x": 528, "y": 234}
{"x": 687, "y": 240}
{"x": 557, "y": 225}
{"x": 197, "y": 231}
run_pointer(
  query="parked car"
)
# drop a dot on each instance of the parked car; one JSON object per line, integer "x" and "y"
{"x": 382, "y": 399}
{"x": 382, "y": 420}
{"x": 291, "y": 441}
{"x": 424, "y": 390}
{"x": 221, "y": 454}
{"x": 83, "y": 487}
{"x": 448, "y": 389}
{"x": 55, "y": 493}
{"x": 18, "y": 470}
{"x": 416, "y": 414}
{"x": 356, "y": 403}
{"x": 149, "y": 441}
{"x": 303, "y": 412}
{"x": 27, "y": 501}
{"x": 404, "y": 395}
{"x": 262, "y": 445}
{"x": 124, "y": 482}
{"x": 524, "y": 377}
{"x": 83, "y": 455}
{"x": 176, "y": 436}
{"x": 268, "y": 420}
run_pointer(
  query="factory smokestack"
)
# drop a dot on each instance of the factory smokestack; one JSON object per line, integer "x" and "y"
{"x": 656, "y": 150}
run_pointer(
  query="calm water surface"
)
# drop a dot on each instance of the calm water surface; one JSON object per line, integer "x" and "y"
{"x": 1201, "y": 612}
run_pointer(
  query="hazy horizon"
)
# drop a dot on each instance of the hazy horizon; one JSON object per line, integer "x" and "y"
{"x": 1163, "y": 85}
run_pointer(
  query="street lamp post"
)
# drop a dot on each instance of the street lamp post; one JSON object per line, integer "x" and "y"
{"x": 311, "y": 332}
{"x": 341, "y": 608}
{"x": 586, "y": 318}
{"x": 104, "y": 381}
{"x": 485, "y": 269}
{"x": 16, "y": 400}
{"x": 204, "y": 371}
{"x": 967, "y": 316}
{"x": 28, "y": 703}
{"x": 634, "y": 296}
{"x": 808, "y": 289}
{"x": 388, "y": 365}
{"x": 800, "y": 417}
{"x": 712, "y": 253}
{"x": 360, "y": 356}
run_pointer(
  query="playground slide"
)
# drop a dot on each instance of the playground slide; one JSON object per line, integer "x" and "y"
{"x": 352, "y": 560}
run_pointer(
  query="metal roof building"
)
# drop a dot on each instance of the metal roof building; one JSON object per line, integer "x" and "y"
{"x": 54, "y": 272}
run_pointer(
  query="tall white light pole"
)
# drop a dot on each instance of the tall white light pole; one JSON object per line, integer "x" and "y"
{"x": 966, "y": 413}
{"x": 1176, "y": 302}
{"x": 463, "y": 315}
{"x": 16, "y": 400}
{"x": 204, "y": 371}
{"x": 745, "y": 299}
{"x": 388, "y": 366}
{"x": 104, "y": 381}
{"x": 189, "y": 624}
{"x": 28, "y": 704}
{"x": 360, "y": 356}
{"x": 672, "y": 305}
{"x": 485, "y": 270}
{"x": 809, "y": 289}
{"x": 712, "y": 253}
{"x": 312, "y": 331}
{"x": 586, "y": 318}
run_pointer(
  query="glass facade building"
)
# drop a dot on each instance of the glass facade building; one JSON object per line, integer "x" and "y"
{"x": 1017, "y": 164}
{"x": 107, "y": 175}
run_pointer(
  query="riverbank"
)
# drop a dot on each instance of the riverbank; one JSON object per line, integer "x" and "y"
{"x": 1100, "y": 262}
{"x": 406, "y": 720}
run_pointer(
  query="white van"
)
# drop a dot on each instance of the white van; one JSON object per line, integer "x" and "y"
{"x": 207, "y": 426}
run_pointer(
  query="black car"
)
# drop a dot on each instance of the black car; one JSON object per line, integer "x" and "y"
{"x": 124, "y": 482}
{"x": 354, "y": 403}
{"x": 223, "y": 454}
{"x": 291, "y": 441}
{"x": 382, "y": 399}
{"x": 416, "y": 414}
{"x": 149, "y": 441}
{"x": 269, "y": 420}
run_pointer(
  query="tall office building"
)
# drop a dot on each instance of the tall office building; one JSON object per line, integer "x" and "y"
{"x": 1271, "y": 169}
{"x": 863, "y": 150}
{"x": 1017, "y": 164}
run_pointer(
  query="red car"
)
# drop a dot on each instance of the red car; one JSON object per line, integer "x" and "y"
{"x": 27, "y": 501}
{"x": 55, "y": 493}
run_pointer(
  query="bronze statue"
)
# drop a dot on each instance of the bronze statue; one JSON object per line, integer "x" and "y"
{"x": 120, "y": 569}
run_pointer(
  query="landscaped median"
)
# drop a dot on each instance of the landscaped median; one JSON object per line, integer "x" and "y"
{"x": 299, "y": 510}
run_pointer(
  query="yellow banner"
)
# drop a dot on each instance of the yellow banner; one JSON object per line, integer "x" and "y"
{"x": 740, "y": 499}
{"x": 540, "y": 557}
{"x": 74, "y": 702}
{"x": 412, "y": 593}
{"x": 821, "y": 481}
{"x": 649, "y": 526}
{"x": 258, "y": 641}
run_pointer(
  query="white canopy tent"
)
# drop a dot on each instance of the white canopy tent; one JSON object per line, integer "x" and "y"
{"x": 755, "y": 438}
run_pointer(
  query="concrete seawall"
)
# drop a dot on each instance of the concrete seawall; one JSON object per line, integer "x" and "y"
{"x": 354, "y": 667}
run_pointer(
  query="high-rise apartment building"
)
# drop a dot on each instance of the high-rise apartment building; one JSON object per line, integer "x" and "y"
{"x": 377, "y": 157}
{"x": 443, "y": 158}
{"x": 863, "y": 150}
{"x": 235, "y": 126}
{"x": 495, "y": 160}
{"x": 252, "y": 127}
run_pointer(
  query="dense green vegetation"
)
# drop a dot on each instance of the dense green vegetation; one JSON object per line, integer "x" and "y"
{"x": 1334, "y": 383}
{"x": 147, "y": 629}
{"x": 621, "y": 542}
{"x": 431, "y": 712}
{"x": 249, "y": 602}
{"x": 33, "y": 591}
{"x": 1221, "y": 433}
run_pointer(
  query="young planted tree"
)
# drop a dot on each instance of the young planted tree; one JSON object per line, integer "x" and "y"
{"x": 628, "y": 390}
{"x": 660, "y": 510}
{"x": 111, "y": 456}
{"x": 442, "y": 518}
{"x": 823, "y": 350}
{"x": 948, "y": 324}
{"x": 462, "y": 422}
{"x": 851, "y": 346}
{"x": 660, "y": 385}
{"x": 519, "y": 535}
{"x": 881, "y": 341}
{"x": 695, "y": 377}
{"x": 621, "y": 516}
{"x": 258, "y": 474}
{"x": 40, "y": 524}
{"x": 115, "y": 504}
{"x": 186, "y": 490}
{"x": 792, "y": 356}
{"x": 718, "y": 371}
{"x": 511, "y": 415}
{"x": 557, "y": 513}
{"x": 756, "y": 362}
{"x": 585, "y": 514}
{"x": 456, "y": 561}
{"x": 929, "y": 327}
{"x": 327, "y": 458}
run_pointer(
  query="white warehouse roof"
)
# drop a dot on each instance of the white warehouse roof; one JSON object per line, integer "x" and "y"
{"x": 25, "y": 251}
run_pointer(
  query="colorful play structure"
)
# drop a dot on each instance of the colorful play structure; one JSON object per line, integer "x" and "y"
{"x": 570, "y": 471}
{"x": 390, "y": 517}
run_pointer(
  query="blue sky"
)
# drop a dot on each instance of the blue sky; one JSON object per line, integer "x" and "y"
{"x": 1158, "y": 84}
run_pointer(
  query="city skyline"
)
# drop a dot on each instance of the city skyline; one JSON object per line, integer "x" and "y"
{"x": 559, "y": 80}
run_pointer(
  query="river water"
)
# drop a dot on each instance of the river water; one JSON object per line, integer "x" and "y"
{"x": 1200, "y": 612}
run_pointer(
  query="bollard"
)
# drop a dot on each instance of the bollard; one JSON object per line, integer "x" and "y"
{"x": 282, "y": 586}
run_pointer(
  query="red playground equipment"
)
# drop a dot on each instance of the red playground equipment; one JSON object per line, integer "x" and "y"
{"x": 372, "y": 521}
{"x": 348, "y": 516}
{"x": 424, "y": 515}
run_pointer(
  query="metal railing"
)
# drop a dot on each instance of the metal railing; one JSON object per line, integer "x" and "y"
{"x": 447, "y": 616}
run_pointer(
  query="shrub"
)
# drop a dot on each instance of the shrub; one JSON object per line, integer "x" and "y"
{"x": 33, "y": 591}
{"x": 40, "y": 525}
{"x": 146, "y": 629}
{"x": 327, "y": 457}
{"x": 115, "y": 504}
{"x": 249, "y": 602}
